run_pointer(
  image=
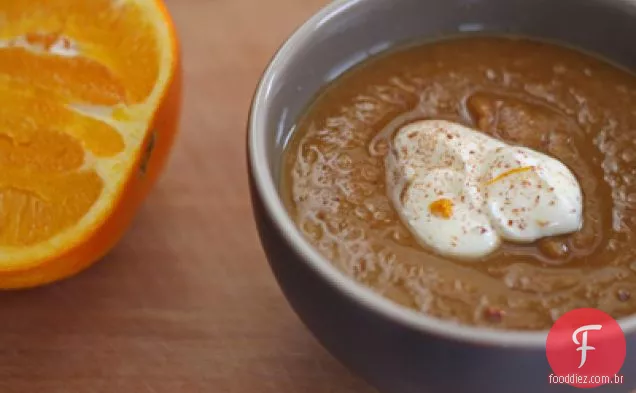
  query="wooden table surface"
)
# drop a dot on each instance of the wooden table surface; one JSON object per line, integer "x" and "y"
{"x": 186, "y": 302}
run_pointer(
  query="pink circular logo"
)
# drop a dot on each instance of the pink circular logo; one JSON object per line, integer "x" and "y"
{"x": 586, "y": 348}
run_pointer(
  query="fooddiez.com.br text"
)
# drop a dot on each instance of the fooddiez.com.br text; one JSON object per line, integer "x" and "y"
{"x": 585, "y": 379}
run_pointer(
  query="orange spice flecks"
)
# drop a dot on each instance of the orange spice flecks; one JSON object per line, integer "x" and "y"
{"x": 442, "y": 208}
{"x": 509, "y": 173}
{"x": 543, "y": 223}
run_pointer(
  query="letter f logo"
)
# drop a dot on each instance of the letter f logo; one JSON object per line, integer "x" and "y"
{"x": 583, "y": 343}
{"x": 607, "y": 343}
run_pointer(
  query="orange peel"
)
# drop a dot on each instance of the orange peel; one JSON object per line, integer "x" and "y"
{"x": 442, "y": 208}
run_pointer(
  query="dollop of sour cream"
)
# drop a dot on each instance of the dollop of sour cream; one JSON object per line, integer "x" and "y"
{"x": 461, "y": 192}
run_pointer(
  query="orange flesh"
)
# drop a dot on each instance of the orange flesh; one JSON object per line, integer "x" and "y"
{"x": 62, "y": 61}
{"x": 509, "y": 173}
{"x": 119, "y": 59}
{"x": 442, "y": 208}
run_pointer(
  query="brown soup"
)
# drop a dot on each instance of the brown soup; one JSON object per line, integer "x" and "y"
{"x": 564, "y": 103}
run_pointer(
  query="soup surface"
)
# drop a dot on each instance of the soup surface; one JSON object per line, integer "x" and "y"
{"x": 563, "y": 103}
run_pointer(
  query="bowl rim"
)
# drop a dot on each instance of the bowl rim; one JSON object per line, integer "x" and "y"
{"x": 267, "y": 190}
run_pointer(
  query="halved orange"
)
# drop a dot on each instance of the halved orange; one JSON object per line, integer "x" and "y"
{"x": 89, "y": 106}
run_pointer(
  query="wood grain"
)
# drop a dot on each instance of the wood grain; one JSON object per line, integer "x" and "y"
{"x": 186, "y": 302}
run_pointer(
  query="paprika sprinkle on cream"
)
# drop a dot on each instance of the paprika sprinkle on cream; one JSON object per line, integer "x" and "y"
{"x": 461, "y": 192}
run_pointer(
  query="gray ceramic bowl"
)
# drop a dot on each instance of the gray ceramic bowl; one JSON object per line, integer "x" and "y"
{"x": 395, "y": 349}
